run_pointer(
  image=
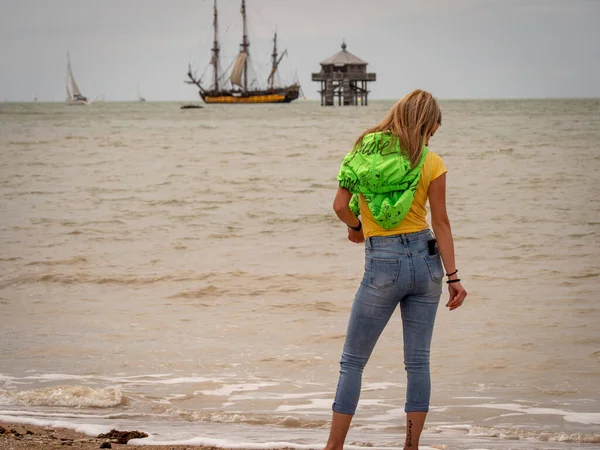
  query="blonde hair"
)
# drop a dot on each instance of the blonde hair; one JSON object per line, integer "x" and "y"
{"x": 410, "y": 121}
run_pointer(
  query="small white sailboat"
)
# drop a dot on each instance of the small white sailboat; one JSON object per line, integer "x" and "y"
{"x": 140, "y": 98}
{"x": 74, "y": 95}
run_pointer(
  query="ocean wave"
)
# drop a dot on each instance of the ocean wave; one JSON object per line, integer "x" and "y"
{"x": 216, "y": 292}
{"x": 321, "y": 186}
{"x": 148, "y": 379}
{"x": 76, "y": 138}
{"x": 584, "y": 275}
{"x": 20, "y": 194}
{"x": 229, "y": 444}
{"x": 41, "y": 142}
{"x": 75, "y": 414}
{"x": 486, "y": 153}
{"x": 71, "y": 223}
{"x": 241, "y": 284}
{"x": 544, "y": 436}
{"x": 90, "y": 278}
{"x": 569, "y": 416}
{"x": 56, "y": 262}
{"x": 307, "y": 219}
{"x": 321, "y": 338}
{"x": 307, "y": 306}
{"x": 170, "y": 201}
{"x": 74, "y": 396}
{"x": 206, "y": 291}
{"x": 228, "y": 389}
{"x": 248, "y": 418}
{"x": 87, "y": 429}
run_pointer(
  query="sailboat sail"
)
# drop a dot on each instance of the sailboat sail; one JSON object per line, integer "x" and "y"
{"x": 69, "y": 96}
{"x": 238, "y": 69}
{"x": 140, "y": 98}
{"x": 76, "y": 91}
{"x": 74, "y": 95}
{"x": 74, "y": 87}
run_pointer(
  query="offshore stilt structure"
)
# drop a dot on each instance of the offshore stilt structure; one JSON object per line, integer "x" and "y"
{"x": 344, "y": 76}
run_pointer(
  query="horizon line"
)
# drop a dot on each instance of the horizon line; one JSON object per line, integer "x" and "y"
{"x": 317, "y": 99}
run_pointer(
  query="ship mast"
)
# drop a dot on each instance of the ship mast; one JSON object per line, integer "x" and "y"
{"x": 215, "y": 50}
{"x": 274, "y": 58}
{"x": 275, "y": 62}
{"x": 245, "y": 44}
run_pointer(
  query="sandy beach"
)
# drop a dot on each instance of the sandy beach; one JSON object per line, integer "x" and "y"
{"x": 30, "y": 437}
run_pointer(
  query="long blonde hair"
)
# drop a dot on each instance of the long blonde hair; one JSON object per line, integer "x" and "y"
{"x": 411, "y": 121}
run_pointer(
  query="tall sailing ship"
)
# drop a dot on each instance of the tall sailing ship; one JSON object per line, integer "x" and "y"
{"x": 236, "y": 89}
{"x": 74, "y": 95}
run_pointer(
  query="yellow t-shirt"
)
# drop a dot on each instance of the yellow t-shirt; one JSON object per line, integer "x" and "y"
{"x": 416, "y": 219}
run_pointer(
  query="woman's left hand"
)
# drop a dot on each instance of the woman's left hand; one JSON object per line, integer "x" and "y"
{"x": 457, "y": 295}
{"x": 356, "y": 236}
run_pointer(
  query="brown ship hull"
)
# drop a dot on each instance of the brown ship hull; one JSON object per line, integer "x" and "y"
{"x": 271, "y": 96}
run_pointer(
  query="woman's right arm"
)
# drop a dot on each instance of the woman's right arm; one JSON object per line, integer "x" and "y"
{"x": 443, "y": 235}
{"x": 342, "y": 209}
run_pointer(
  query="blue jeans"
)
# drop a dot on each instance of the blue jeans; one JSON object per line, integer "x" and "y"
{"x": 398, "y": 271}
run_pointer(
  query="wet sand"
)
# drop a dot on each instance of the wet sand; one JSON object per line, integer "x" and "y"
{"x": 30, "y": 437}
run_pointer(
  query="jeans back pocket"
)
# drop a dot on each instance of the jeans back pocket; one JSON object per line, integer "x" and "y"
{"x": 382, "y": 272}
{"x": 436, "y": 269}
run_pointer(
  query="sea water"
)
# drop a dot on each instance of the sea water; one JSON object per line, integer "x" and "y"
{"x": 182, "y": 272}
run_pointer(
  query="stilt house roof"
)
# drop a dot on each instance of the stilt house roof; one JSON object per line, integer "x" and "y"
{"x": 343, "y": 58}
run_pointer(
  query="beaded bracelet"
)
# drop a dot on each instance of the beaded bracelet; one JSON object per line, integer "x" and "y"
{"x": 453, "y": 273}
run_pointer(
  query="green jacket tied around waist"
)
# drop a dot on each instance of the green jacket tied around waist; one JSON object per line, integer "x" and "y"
{"x": 377, "y": 169}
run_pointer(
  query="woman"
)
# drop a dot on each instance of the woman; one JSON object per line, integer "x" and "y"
{"x": 387, "y": 179}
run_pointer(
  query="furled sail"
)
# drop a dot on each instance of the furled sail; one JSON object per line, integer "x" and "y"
{"x": 238, "y": 69}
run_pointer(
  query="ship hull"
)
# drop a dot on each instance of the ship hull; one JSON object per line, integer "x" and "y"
{"x": 78, "y": 102}
{"x": 286, "y": 95}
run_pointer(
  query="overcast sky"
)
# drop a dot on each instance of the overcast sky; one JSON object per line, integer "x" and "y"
{"x": 453, "y": 48}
